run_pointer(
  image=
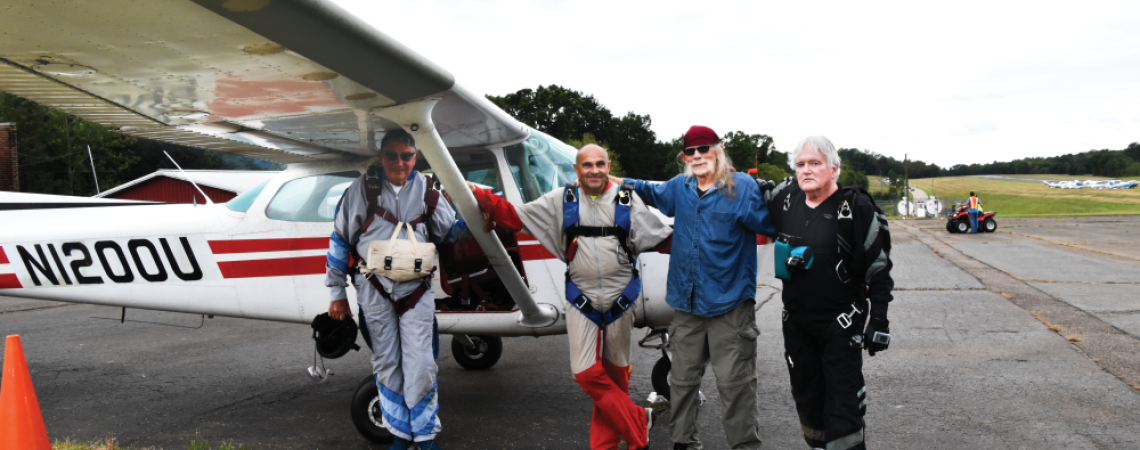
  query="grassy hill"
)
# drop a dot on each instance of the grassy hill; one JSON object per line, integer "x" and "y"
{"x": 1011, "y": 198}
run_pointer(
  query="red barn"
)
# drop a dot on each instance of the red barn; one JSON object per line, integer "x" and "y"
{"x": 172, "y": 186}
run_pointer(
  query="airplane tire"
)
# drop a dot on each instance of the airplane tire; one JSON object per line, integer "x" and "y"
{"x": 487, "y": 351}
{"x": 963, "y": 226}
{"x": 990, "y": 225}
{"x": 660, "y": 377}
{"x": 365, "y": 410}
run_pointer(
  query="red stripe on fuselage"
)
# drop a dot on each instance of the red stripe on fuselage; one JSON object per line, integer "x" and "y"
{"x": 9, "y": 281}
{"x": 281, "y": 267}
{"x": 268, "y": 245}
{"x": 3, "y": 257}
{"x": 534, "y": 252}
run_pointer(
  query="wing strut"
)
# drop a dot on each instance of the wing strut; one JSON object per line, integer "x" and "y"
{"x": 415, "y": 117}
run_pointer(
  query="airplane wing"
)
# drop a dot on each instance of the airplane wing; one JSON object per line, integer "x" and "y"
{"x": 284, "y": 81}
{"x": 288, "y": 81}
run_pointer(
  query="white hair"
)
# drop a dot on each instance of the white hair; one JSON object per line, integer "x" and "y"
{"x": 821, "y": 144}
{"x": 720, "y": 170}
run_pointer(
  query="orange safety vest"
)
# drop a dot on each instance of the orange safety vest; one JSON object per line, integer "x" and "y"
{"x": 975, "y": 203}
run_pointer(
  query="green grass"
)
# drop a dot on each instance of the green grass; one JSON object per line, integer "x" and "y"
{"x": 102, "y": 444}
{"x": 198, "y": 443}
{"x": 1019, "y": 199}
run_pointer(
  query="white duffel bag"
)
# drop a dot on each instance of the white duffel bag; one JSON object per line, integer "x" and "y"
{"x": 400, "y": 259}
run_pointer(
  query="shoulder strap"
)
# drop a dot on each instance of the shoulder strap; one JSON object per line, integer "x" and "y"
{"x": 622, "y": 215}
{"x": 850, "y": 242}
{"x": 373, "y": 187}
{"x": 431, "y": 200}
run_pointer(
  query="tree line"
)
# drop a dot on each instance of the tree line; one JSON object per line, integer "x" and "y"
{"x": 52, "y": 152}
{"x": 571, "y": 116}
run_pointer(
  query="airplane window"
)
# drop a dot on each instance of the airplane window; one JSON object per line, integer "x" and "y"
{"x": 242, "y": 202}
{"x": 540, "y": 164}
{"x": 310, "y": 199}
{"x": 479, "y": 167}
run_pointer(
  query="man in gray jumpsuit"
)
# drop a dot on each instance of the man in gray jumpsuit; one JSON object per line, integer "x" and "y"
{"x": 402, "y": 359}
{"x": 601, "y": 267}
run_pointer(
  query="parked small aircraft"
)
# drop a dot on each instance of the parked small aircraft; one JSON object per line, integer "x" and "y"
{"x": 1095, "y": 184}
{"x": 298, "y": 82}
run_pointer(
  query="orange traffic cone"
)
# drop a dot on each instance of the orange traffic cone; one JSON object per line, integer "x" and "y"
{"x": 21, "y": 423}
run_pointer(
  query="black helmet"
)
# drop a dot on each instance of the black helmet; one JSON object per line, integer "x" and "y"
{"x": 334, "y": 337}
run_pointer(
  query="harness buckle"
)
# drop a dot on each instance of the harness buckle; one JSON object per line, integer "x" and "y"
{"x": 844, "y": 321}
{"x": 419, "y": 264}
{"x": 845, "y": 211}
{"x": 623, "y": 197}
{"x": 387, "y": 263}
{"x": 581, "y": 302}
{"x": 846, "y": 317}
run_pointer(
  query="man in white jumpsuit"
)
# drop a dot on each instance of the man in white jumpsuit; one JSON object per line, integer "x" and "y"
{"x": 600, "y": 266}
{"x": 397, "y": 315}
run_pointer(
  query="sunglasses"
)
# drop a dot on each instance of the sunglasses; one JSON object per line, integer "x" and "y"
{"x": 407, "y": 156}
{"x": 703, "y": 149}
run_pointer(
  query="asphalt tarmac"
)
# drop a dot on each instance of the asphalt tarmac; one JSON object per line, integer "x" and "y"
{"x": 973, "y": 363}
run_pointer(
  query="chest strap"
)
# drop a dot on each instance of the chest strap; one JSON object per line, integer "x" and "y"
{"x": 572, "y": 230}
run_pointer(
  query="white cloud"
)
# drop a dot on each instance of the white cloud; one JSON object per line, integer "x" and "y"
{"x": 972, "y": 128}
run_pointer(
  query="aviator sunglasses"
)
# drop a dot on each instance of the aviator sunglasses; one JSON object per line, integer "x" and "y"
{"x": 407, "y": 156}
{"x": 703, "y": 149}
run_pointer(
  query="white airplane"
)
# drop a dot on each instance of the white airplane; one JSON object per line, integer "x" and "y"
{"x": 299, "y": 82}
{"x": 1070, "y": 184}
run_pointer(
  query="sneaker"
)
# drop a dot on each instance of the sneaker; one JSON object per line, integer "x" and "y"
{"x": 650, "y": 418}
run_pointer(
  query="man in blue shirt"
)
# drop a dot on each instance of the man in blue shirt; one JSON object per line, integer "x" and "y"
{"x": 712, "y": 285}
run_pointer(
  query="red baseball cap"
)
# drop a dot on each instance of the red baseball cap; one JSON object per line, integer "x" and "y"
{"x": 700, "y": 135}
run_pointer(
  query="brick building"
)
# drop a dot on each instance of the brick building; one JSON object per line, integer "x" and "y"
{"x": 9, "y": 163}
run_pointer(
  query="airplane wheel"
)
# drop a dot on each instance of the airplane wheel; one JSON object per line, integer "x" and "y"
{"x": 963, "y": 226}
{"x": 660, "y": 376}
{"x": 486, "y": 353}
{"x": 990, "y": 225}
{"x": 366, "y": 415}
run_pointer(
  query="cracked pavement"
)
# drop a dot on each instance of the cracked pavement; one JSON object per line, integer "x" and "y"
{"x": 970, "y": 366}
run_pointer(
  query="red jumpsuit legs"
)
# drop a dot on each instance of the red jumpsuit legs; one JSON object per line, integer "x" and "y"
{"x": 615, "y": 415}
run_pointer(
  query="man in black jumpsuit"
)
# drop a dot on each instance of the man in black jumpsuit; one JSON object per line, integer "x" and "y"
{"x": 825, "y": 304}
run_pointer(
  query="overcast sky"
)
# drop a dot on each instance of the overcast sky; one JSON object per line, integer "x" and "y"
{"x": 957, "y": 82}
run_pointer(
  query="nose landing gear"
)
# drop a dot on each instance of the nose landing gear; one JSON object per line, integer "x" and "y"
{"x": 660, "y": 375}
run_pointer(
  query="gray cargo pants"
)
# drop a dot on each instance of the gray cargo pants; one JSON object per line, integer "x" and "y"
{"x": 728, "y": 342}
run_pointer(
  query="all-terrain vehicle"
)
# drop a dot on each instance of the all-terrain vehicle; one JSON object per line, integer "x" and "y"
{"x": 958, "y": 219}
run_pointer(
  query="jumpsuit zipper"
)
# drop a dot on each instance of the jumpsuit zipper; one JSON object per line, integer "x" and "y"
{"x": 597, "y": 269}
{"x": 597, "y": 263}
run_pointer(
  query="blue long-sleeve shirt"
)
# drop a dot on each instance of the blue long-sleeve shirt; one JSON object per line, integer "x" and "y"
{"x": 712, "y": 265}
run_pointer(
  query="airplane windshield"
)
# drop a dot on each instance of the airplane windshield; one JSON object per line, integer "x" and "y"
{"x": 310, "y": 199}
{"x": 242, "y": 202}
{"x": 540, "y": 164}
